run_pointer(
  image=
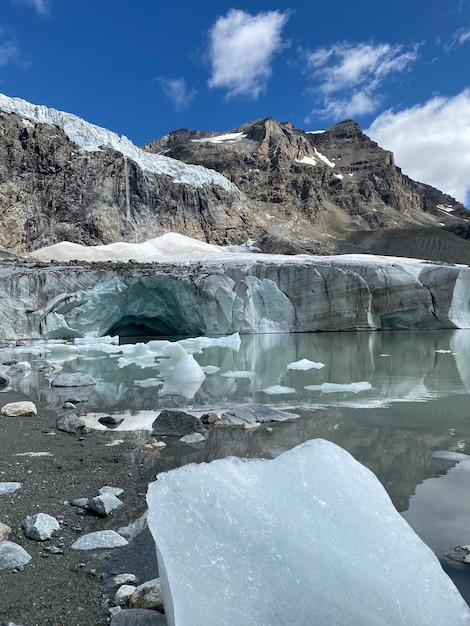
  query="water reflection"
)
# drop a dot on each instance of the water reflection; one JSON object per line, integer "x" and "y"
{"x": 399, "y": 367}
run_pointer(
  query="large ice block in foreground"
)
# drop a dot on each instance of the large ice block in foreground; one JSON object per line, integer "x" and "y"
{"x": 310, "y": 537}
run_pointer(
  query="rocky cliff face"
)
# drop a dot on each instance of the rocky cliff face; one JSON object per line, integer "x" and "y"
{"x": 332, "y": 191}
{"x": 51, "y": 191}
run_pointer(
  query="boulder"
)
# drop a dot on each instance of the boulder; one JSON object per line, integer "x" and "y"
{"x": 71, "y": 423}
{"x": 148, "y": 595}
{"x": 13, "y": 556}
{"x": 171, "y": 423}
{"x": 101, "y": 539}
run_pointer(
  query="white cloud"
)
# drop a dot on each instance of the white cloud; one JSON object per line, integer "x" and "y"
{"x": 41, "y": 6}
{"x": 241, "y": 50}
{"x": 431, "y": 142}
{"x": 177, "y": 91}
{"x": 460, "y": 37}
{"x": 348, "y": 77}
{"x": 9, "y": 52}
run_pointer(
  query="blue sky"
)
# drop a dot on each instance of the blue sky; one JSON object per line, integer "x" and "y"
{"x": 145, "y": 67}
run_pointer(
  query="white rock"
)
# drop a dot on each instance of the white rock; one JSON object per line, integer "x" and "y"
{"x": 114, "y": 491}
{"x": 105, "y": 503}
{"x": 15, "y": 409}
{"x": 100, "y": 539}
{"x": 124, "y": 579}
{"x": 123, "y": 594}
{"x": 40, "y": 526}
{"x": 9, "y": 487}
{"x": 194, "y": 438}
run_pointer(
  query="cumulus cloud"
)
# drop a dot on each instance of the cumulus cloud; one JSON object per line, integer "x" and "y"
{"x": 176, "y": 90}
{"x": 348, "y": 77}
{"x": 431, "y": 142}
{"x": 241, "y": 50}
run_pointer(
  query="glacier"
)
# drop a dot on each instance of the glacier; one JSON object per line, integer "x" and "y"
{"x": 90, "y": 137}
{"x": 224, "y": 293}
{"x": 310, "y": 537}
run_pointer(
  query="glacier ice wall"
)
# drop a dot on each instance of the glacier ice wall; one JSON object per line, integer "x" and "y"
{"x": 310, "y": 537}
{"x": 248, "y": 294}
{"x": 91, "y": 137}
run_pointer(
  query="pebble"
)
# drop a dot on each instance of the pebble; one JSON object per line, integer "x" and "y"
{"x": 9, "y": 487}
{"x": 15, "y": 409}
{"x": 40, "y": 526}
{"x": 105, "y": 504}
{"x": 4, "y": 532}
{"x": 115, "y": 491}
{"x": 123, "y": 594}
{"x": 124, "y": 579}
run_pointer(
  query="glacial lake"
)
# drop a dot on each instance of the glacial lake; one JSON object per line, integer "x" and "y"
{"x": 399, "y": 402}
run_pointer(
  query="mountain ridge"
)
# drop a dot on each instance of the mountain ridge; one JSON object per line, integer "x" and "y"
{"x": 334, "y": 191}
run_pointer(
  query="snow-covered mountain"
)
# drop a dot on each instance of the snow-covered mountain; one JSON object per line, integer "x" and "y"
{"x": 336, "y": 191}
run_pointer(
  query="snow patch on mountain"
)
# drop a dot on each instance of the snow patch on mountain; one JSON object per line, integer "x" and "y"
{"x": 227, "y": 138}
{"x": 90, "y": 137}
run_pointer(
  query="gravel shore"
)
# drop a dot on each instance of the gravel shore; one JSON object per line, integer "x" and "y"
{"x": 67, "y": 588}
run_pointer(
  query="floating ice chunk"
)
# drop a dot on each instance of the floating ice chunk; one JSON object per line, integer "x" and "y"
{"x": 305, "y": 364}
{"x": 210, "y": 369}
{"x": 449, "y": 455}
{"x": 84, "y": 341}
{"x": 198, "y": 344}
{"x": 310, "y": 533}
{"x": 158, "y": 346}
{"x": 185, "y": 379}
{"x": 336, "y": 387}
{"x": 149, "y": 382}
{"x": 238, "y": 374}
{"x": 277, "y": 390}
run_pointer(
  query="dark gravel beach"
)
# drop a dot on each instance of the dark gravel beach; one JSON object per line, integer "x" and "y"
{"x": 64, "y": 588}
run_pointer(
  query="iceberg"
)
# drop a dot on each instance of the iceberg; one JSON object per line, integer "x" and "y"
{"x": 310, "y": 537}
{"x": 355, "y": 387}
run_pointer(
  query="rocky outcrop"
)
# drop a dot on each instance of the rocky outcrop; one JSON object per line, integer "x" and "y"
{"x": 53, "y": 190}
{"x": 247, "y": 294}
{"x": 331, "y": 191}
